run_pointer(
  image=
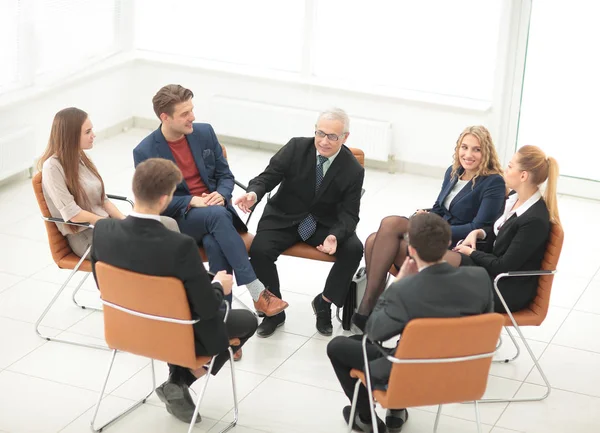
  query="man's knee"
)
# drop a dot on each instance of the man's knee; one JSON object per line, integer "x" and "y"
{"x": 261, "y": 249}
{"x": 352, "y": 248}
{"x": 334, "y": 346}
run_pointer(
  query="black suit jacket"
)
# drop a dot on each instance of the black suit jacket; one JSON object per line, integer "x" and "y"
{"x": 148, "y": 247}
{"x": 336, "y": 205}
{"x": 519, "y": 246}
{"x": 439, "y": 290}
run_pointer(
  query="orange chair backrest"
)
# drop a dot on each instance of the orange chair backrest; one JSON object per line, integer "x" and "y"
{"x": 541, "y": 302}
{"x": 359, "y": 155}
{"x": 440, "y": 383}
{"x": 59, "y": 247}
{"x": 159, "y": 296}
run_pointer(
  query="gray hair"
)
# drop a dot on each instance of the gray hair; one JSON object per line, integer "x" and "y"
{"x": 336, "y": 114}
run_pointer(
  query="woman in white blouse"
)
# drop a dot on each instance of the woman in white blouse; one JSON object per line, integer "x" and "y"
{"x": 517, "y": 240}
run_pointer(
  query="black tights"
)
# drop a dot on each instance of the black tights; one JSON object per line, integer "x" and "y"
{"x": 383, "y": 249}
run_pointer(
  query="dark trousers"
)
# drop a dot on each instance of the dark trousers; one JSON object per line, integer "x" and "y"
{"x": 213, "y": 227}
{"x": 240, "y": 324}
{"x": 345, "y": 353}
{"x": 268, "y": 245}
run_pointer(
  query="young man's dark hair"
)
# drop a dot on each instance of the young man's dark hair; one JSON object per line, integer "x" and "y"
{"x": 430, "y": 235}
{"x": 168, "y": 96}
{"x": 154, "y": 178}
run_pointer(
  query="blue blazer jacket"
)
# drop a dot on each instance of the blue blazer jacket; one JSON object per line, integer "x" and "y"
{"x": 473, "y": 207}
{"x": 211, "y": 163}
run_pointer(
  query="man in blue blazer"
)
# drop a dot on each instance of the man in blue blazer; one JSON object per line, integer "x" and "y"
{"x": 201, "y": 204}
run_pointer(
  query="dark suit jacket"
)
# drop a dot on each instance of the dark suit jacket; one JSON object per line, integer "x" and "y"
{"x": 519, "y": 246}
{"x": 439, "y": 290}
{"x": 473, "y": 207}
{"x": 211, "y": 163}
{"x": 335, "y": 205}
{"x": 148, "y": 247}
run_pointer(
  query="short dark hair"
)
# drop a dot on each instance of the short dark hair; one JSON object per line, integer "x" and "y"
{"x": 154, "y": 178}
{"x": 430, "y": 235}
{"x": 168, "y": 96}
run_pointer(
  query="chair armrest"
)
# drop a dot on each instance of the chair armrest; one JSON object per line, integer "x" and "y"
{"x": 241, "y": 185}
{"x": 120, "y": 197}
{"x": 70, "y": 223}
{"x": 526, "y": 273}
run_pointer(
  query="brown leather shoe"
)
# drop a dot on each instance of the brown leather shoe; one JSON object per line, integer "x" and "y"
{"x": 269, "y": 304}
{"x": 237, "y": 355}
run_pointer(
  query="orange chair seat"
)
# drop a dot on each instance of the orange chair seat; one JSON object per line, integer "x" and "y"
{"x": 305, "y": 251}
{"x": 70, "y": 261}
{"x": 525, "y": 317}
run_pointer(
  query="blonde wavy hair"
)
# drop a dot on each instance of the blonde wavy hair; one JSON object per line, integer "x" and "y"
{"x": 490, "y": 163}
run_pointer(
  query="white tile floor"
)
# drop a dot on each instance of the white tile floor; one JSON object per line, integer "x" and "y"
{"x": 285, "y": 383}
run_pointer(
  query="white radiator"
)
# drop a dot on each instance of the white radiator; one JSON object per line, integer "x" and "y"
{"x": 276, "y": 124}
{"x": 17, "y": 152}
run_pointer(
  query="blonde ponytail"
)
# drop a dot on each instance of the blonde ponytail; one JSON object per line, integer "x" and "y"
{"x": 550, "y": 193}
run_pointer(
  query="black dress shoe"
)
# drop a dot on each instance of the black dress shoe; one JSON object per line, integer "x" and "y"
{"x": 359, "y": 425}
{"x": 270, "y": 324}
{"x": 178, "y": 401}
{"x": 395, "y": 419}
{"x": 322, "y": 310}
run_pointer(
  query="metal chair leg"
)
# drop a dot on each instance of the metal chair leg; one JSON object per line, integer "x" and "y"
{"x": 83, "y": 307}
{"x": 235, "y": 400}
{"x": 353, "y": 407}
{"x": 533, "y": 358}
{"x": 437, "y": 419}
{"x": 51, "y": 304}
{"x": 477, "y": 420}
{"x": 125, "y": 412}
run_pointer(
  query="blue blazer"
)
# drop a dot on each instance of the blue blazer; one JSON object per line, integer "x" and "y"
{"x": 211, "y": 163}
{"x": 473, "y": 207}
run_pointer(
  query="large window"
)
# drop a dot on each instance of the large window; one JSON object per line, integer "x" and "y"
{"x": 52, "y": 38}
{"x": 264, "y": 34}
{"x": 9, "y": 34}
{"x": 434, "y": 46}
{"x": 70, "y": 33}
{"x": 561, "y": 88}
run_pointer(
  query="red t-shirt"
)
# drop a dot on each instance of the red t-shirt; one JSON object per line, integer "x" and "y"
{"x": 185, "y": 161}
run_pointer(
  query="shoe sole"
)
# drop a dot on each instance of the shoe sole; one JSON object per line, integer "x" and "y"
{"x": 399, "y": 429}
{"x": 261, "y": 313}
{"x": 324, "y": 334}
{"x": 161, "y": 397}
{"x": 268, "y": 335}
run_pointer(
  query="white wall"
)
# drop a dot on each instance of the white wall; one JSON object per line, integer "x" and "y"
{"x": 423, "y": 134}
{"x": 105, "y": 94}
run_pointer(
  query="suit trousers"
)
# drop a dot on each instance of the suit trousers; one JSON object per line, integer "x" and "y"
{"x": 268, "y": 245}
{"x": 240, "y": 324}
{"x": 213, "y": 227}
{"x": 345, "y": 353}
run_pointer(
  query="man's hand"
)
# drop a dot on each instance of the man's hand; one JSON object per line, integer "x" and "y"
{"x": 213, "y": 199}
{"x": 329, "y": 245}
{"x": 463, "y": 249}
{"x": 409, "y": 267}
{"x": 226, "y": 281}
{"x": 246, "y": 201}
{"x": 198, "y": 202}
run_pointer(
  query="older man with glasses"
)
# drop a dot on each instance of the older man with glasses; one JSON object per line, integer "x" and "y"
{"x": 318, "y": 203}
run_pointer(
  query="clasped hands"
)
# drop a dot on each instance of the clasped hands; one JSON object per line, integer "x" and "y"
{"x": 468, "y": 244}
{"x": 212, "y": 199}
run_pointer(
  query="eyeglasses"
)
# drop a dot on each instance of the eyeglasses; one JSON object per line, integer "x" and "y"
{"x": 331, "y": 137}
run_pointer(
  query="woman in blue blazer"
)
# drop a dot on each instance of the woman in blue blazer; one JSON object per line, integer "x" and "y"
{"x": 472, "y": 197}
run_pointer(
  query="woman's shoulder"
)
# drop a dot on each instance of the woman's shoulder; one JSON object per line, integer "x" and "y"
{"x": 52, "y": 164}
